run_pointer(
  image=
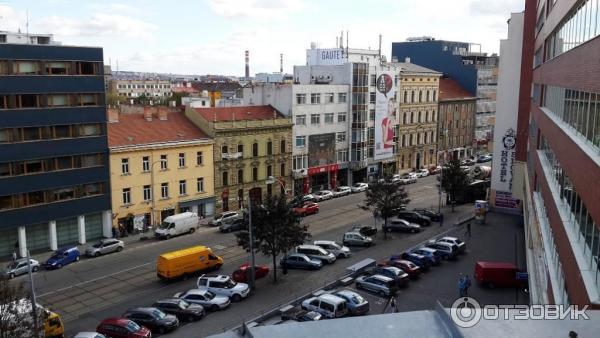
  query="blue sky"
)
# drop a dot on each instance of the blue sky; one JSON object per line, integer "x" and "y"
{"x": 210, "y": 36}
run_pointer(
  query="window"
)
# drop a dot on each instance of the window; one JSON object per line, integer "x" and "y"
{"x": 147, "y": 193}
{"x": 373, "y": 80}
{"x": 328, "y": 118}
{"x": 255, "y": 174}
{"x": 329, "y": 97}
{"x": 127, "y": 196}
{"x": 225, "y": 178}
{"x": 300, "y": 98}
{"x": 240, "y": 150}
{"x": 300, "y": 120}
{"x": 124, "y": 166}
{"x": 86, "y": 68}
{"x": 89, "y": 100}
{"x": 86, "y": 130}
{"x": 199, "y": 158}
{"x": 300, "y": 162}
{"x": 372, "y": 97}
{"x": 420, "y": 117}
{"x": 315, "y": 98}
{"x": 164, "y": 190}
{"x": 403, "y": 140}
{"x": 341, "y": 117}
{"x": 282, "y": 169}
{"x": 341, "y": 136}
{"x": 427, "y": 116}
{"x": 224, "y": 150}
{"x": 181, "y": 160}
{"x": 240, "y": 176}
{"x": 412, "y": 96}
{"x": 26, "y": 68}
{"x": 372, "y": 115}
{"x": 315, "y": 119}
{"x": 145, "y": 163}
{"x": 182, "y": 187}
{"x": 269, "y": 147}
{"x": 269, "y": 171}
{"x": 403, "y": 118}
{"x": 405, "y": 97}
{"x": 412, "y": 117}
{"x": 27, "y": 101}
{"x": 342, "y": 155}
{"x": 341, "y": 97}
{"x": 420, "y": 96}
{"x": 255, "y": 149}
{"x": 200, "y": 184}
{"x": 58, "y": 100}
{"x": 300, "y": 141}
{"x": 434, "y": 95}
{"x": 163, "y": 162}
{"x": 282, "y": 146}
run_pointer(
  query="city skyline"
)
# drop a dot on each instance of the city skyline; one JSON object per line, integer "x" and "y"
{"x": 210, "y": 37}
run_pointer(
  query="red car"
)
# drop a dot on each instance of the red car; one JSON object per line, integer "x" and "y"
{"x": 409, "y": 267}
{"x": 122, "y": 328}
{"x": 240, "y": 275}
{"x": 309, "y": 208}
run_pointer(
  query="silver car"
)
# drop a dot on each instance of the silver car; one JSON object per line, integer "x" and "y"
{"x": 381, "y": 285}
{"x": 104, "y": 247}
{"x": 205, "y": 298}
{"x": 19, "y": 267}
{"x": 333, "y": 247}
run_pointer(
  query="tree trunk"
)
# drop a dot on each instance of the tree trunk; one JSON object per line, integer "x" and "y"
{"x": 274, "y": 269}
{"x": 385, "y": 228}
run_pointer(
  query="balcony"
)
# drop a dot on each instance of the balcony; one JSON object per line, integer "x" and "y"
{"x": 231, "y": 156}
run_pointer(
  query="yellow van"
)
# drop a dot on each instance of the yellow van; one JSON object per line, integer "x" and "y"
{"x": 185, "y": 262}
{"x": 53, "y": 326}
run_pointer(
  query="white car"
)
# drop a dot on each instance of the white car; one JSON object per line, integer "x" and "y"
{"x": 322, "y": 195}
{"x": 219, "y": 218}
{"x": 358, "y": 187}
{"x": 207, "y": 299}
{"x": 335, "y": 248}
{"x": 423, "y": 173}
{"x": 341, "y": 191}
{"x": 20, "y": 267}
{"x": 224, "y": 286}
{"x": 89, "y": 335}
{"x": 462, "y": 246}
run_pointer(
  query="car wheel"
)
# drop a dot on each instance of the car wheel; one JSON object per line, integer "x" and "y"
{"x": 341, "y": 255}
{"x": 236, "y": 298}
{"x": 214, "y": 307}
{"x": 192, "y": 231}
{"x": 77, "y": 259}
{"x": 119, "y": 248}
{"x": 161, "y": 330}
{"x": 96, "y": 254}
{"x": 168, "y": 236}
{"x": 59, "y": 265}
{"x": 35, "y": 269}
{"x": 413, "y": 231}
{"x": 11, "y": 275}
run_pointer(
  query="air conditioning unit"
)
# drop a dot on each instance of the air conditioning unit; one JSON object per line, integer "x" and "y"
{"x": 329, "y": 77}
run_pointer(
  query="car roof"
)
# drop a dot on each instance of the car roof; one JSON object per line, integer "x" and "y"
{"x": 297, "y": 254}
{"x": 449, "y": 238}
{"x": 88, "y": 334}
{"x": 116, "y": 321}
{"x": 354, "y": 233}
{"x": 145, "y": 309}
{"x": 194, "y": 292}
{"x": 426, "y": 249}
{"x": 169, "y": 300}
{"x": 324, "y": 242}
{"x": 219, "y": 278}
{"x": 347, "y": 293}
{"x": 308, "y": 246}
{"x": 331, "y": 298}
{"x": 383, "y": 278}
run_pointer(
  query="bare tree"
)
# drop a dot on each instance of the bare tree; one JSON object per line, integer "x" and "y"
{"x": 16, "y": 319}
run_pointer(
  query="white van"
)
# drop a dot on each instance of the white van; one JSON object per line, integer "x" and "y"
{"x": 328, "y": 305}
{"x": 183, "y": 223}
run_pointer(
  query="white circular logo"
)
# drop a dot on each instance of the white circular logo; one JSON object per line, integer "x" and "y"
{"x": 465, "y": 312}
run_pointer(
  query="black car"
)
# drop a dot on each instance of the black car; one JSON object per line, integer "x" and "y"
{"x": 397, "y": 274}
{"x": 400, "y": 225}
{"x": 414, "y": 217}
{"x": 366, "y": 230}
{"x": 183, "y": 310}
{"x": 152, "y": 318}
{"x": 234, "y": 225}
{"x": 300, "y": 315}
{"x": 434, "y": 216}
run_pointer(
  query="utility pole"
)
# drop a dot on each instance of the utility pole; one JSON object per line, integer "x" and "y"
{"x": 34, "y": 312}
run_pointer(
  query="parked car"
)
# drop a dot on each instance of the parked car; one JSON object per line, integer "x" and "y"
{"x": 397, "y": 179}
{"x": 300, "y": 261}
{"x": 467, "y": 162}
{"x": 397, "y": 274}
{"x": 356, "y": 304}
{"x": 219, "y": 218}
{"x": 410, "y": 268}
{"x": 241, "y": 274}
{"x": 223, "y": 285}
{"x": 340, "y": 251}
{"x": 484, "y": 158}
{"x": 207, "y": 299}
{"x": 358, "y": 187}
{"x": 89, "y": 335}
{"x": 434, "y": 256}
{"x": 423, "y": 172}
{"x": 328, "y": 305}
{"x": 381, "y": 285}
{"x": 323, "y": 195}
{"x": 299, "y": 200}
{"x": 122, "y": 328}
{"x": 433, "y": 216}
{"x": 152, "y": 318}
{"x": 423, "y": 262}
{"x": 308, "y": 208}
{"x": 434, "y": 170}
{"x": 300, "y": 315}
{"x": 449, "y": 251}
{"x": 341, "y": 191}
{"x": 462, "y": 246}
{"x": 105, "y": 246}
{"x": 400, "y": 225}
{"x": 501, "y": 274}
{"x": 409, "y": 178}
{"x": 20, "y": 267}
{"x": 414, "y": 217}
{"x": 355, "y": 238}
{"x": 316, "y": 252}
{"x": 233, "y": 224}
{"x": 365, "y": 230}
{"x": 183, "y": 310}
{"x": 62, "y": 257}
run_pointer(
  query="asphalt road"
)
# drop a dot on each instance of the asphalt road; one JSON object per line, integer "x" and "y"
{"x": 86, "y": 292}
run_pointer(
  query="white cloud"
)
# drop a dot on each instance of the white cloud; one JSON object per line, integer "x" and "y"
{"x": 12, "y": 20}
{"x": 256, "y": 9}
{"x": 101, "y": 24}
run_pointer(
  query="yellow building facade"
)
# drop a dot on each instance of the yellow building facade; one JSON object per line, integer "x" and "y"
{"x": 418, "y": 118}
{"x": 159, "y": 167}
{"x": 252, "y": 153}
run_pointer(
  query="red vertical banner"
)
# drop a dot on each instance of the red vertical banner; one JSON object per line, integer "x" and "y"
{"x": 333, "y": 179}
{"x": 306, "y": 185}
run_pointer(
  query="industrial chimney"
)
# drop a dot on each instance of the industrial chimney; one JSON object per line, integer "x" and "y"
{"x": 247, "y": 64}
{"x": 281, "y": 63}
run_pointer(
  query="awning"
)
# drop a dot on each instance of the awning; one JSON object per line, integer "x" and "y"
{"x": 197, "y": 201}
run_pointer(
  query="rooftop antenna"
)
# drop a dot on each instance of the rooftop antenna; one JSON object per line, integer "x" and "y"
{"x": 27, "y": 26}
{"x": 347, "y": 34}
{"x": 342, "y": 39}
{"x": 380, "y": 46}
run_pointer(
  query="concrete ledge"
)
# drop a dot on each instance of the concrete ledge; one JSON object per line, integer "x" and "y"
{"x": 346, "y": 281}
{"x": 285, "y": 308}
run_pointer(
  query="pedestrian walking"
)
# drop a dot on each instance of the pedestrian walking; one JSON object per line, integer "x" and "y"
{"x": 393, "y": 304}
{"x": 461, "y": 286}
{"x": 14, "y": 255}
{"x": 467, "y": 285}
{"x": 468, "y": 232}
{"x": 441, "y": 219}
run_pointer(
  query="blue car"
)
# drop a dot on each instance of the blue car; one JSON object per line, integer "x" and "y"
{"x": 434, "y": 255}
{"x": 62, "y": 257}
{"x": 419, "y": 260}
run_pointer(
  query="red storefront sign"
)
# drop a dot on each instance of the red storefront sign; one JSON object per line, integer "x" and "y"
{"x": 323, "y": 169}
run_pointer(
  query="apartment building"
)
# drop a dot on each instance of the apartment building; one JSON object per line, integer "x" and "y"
{"x": 152, "y": 89}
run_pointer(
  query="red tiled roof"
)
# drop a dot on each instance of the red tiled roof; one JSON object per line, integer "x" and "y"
{"x": 452, "y": 90}
{"x": 189, "y": 90}
{"x": 239, "y": 113}
{"x": 133, "y": 129}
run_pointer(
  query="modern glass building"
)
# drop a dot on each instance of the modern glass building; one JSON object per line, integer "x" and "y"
{"x": 54, "y": 170}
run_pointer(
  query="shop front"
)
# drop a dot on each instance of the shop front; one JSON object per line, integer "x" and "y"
{"x": 203, "y": 207}
{"x": 324, "y": 177}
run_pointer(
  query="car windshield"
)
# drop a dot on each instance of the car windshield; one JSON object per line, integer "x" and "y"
{"x": 132, "y": 327}
{"x": 357, "y": 185}
{"x": 164, "y": 225}
{"x": 230, "y": 284}
{"x": 183, "y": 304}
{"x": 97, "y": 245}
{"x": 12, "y": 265}
{"x": 209, "y": 295}
{"x": 335, "y": 246}
{"x": 158, "y": 314}
{"x": 218, "y": 216}
{"x": 57, "y": 255}
{"x": 458, "y": 241}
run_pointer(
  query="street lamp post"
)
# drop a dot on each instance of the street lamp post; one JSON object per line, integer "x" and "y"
{"x": 34, "y": 312}
{"x": 442, "y": 172}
